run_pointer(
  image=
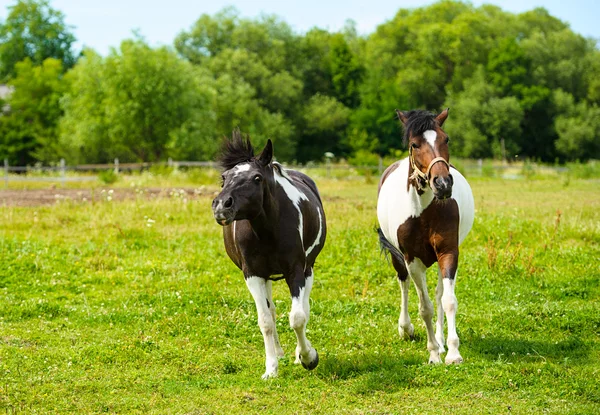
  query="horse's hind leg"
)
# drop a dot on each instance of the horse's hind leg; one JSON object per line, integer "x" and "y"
{"x": 300, "y": 287}
{"x": 405, "y": 327}
{"x": 417, "y": 272}
{"x": 269, "y": 288}
{"x": 258, "y": 289}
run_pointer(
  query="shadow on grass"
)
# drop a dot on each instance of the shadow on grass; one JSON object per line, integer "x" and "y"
{"x": 494, "y": 348}
{"x": 372, "y": 372}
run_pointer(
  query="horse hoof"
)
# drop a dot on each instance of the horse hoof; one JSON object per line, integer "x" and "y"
{"x": 313, "y": 364}
{"x": 454, "y": 360}
{"x": 269, "y": 375}
{"x": 408, "y": 333}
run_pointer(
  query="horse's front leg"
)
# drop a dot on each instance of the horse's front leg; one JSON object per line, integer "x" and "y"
{"x": 300, "y": 285}
{"x": 266, "y": 322}
{"x": 439, "y": 323}
{"x": 417, "y": 270}
{"x": 269, "y": 287}
{"x": 448, "y": 266}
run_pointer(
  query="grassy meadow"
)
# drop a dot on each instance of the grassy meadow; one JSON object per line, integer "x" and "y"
{"x": 132, "y": 307}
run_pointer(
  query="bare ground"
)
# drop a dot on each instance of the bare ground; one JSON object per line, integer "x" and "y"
{"x": 46, "y": 197}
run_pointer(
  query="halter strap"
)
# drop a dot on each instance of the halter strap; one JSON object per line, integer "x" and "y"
{"x": 418, "y": 173}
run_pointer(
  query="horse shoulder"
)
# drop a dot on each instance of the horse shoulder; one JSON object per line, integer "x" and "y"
{"x": 387, "y": 173}
{"x": 462, "y": 193}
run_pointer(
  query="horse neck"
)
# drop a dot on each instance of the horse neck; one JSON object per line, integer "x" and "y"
{"x": 266, "y": 223}
{"x": 419, "y": 197}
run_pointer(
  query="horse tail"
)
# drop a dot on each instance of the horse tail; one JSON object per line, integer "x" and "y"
{"x": 386, "y": 246}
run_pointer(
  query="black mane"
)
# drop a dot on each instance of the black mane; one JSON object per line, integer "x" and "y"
{"x": 235, "y": 151}
{"x": 418, "y": 121}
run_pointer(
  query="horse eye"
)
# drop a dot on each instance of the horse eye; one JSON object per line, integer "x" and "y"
{"x": 257, "y": 178}
{"x": 414, "y": 145}
{"x": 447, "y": 140}
{"x": 222, "y": 181}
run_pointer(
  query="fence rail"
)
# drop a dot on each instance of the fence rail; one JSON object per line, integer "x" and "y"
{"x": 475, "y": 167}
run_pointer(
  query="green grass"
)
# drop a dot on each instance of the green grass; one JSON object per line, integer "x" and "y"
{"x": 134, "y": 307}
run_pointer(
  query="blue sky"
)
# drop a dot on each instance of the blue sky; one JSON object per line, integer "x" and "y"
{"x": 101, "y": 24}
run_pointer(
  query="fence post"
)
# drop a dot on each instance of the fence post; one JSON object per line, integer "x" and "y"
{"x": 170, "y": 162}
{"x": 6, "y": 173}
{"x": 380, "y": 165}
{"x": 117, "y": 166}
{"x": 62, "y": 173}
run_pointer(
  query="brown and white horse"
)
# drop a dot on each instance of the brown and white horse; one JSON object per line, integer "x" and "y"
{"x": 425, "y": 210}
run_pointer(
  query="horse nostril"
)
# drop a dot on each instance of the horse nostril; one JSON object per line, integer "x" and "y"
{"x": 436, "y": 181}
{"x": 451, "y": 179}
{"x": 228, "y": 203}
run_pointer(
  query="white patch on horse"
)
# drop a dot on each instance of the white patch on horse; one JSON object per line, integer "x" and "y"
{"x": 240, "y": 168}
{"x": 299, "y": 316}
{"x": 258, "y": 289}
{"x": 318, "y": 238}
{"x": 396, "y": 204}
{"x": 430, "y": 136}
{"x": 295, "y": 196}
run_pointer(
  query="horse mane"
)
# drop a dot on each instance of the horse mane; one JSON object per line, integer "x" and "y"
{"x": 235, "y": 151}
{"x": 418, "y": 121}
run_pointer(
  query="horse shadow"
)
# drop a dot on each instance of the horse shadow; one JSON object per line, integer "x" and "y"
{"x": 525, "y": 350}
{"x": 370, "y": 372}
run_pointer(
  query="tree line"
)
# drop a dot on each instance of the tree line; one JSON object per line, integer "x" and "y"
{"x": 517, "y": 85}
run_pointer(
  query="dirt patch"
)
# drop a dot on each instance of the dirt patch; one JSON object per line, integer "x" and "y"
{"x": 46, "y": 197}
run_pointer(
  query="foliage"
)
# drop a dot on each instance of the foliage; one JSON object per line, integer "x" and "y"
{"x": 36, "y": 31}
{"x": 29, "y": 130}
{"x": 135, "y": 105}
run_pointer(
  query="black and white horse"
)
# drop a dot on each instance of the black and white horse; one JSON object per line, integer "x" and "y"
{"x": 273, "y": 225}
{"x": 425, "y": 210}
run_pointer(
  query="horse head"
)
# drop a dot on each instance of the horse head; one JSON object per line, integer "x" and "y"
{"x": 428, "y": 150}
{"x": 246, "y": 180}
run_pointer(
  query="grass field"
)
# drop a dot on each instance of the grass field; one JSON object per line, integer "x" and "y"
{"x": 131, "y": 306}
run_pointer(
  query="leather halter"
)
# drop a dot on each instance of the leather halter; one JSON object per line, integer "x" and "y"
{"x": 418, "y": 174}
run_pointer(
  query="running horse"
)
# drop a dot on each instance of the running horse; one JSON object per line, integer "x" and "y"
{"x": 425, "y": 210}
{"x": 274, "y": 228}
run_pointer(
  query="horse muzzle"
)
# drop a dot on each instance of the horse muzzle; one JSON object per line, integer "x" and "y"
{"x": 442, "y": 187}
{"x": 223, "y": 210}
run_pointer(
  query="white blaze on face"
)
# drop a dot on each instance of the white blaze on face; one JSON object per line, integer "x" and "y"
{"x": 430, "y": 136}
{"x": 295, "y": 196}
{"x": 240, "y": 168}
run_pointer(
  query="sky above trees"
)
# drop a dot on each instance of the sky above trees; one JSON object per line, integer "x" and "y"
{"x": 101, "y": 25}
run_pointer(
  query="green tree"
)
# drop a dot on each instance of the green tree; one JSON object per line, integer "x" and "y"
{"x": 138, "y": 104}
{"x": 481, "y": 119}
{"x": 577, "y": 126}
{"x": 29, "y": 130}
{"x": 325, "y": 120}
{"x": 346, "y": 72}
{"x": 36, "y": 31}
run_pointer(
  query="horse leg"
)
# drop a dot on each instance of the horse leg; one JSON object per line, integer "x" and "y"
{"x": 448, "y": 266}
{"x": 405, "y": 328}
{"x": 269, "y": 287}
{"x": 300, "y": 287}
{"x": 417, "y": 271}
{"x": 439, "y": 324}
{"x": 266, "y": 322}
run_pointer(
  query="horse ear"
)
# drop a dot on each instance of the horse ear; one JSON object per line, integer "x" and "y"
{"x": 442, "y": 116}
{"x": 402, "y": 117}
{"x": 267, "y": 154}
